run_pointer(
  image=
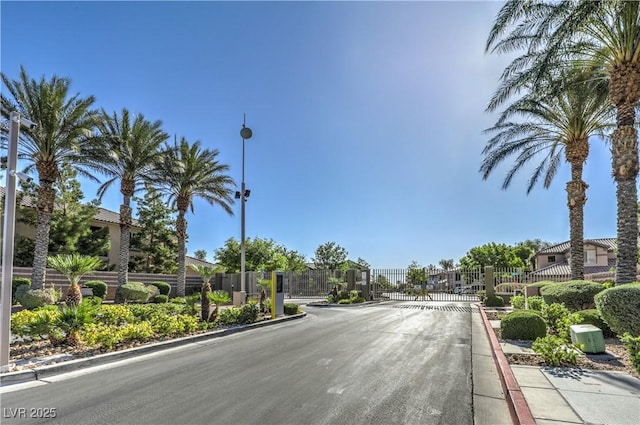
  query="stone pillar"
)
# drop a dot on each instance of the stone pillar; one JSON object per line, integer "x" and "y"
{"x": 488, "y": 281}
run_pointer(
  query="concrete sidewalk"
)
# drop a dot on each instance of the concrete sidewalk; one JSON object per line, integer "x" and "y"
{"x": 565, "y": 395}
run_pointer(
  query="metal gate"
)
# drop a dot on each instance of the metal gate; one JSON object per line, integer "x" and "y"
{"x": 426, "y": 284}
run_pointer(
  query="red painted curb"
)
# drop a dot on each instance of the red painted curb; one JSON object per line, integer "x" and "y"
{"x": 518, "y": 407}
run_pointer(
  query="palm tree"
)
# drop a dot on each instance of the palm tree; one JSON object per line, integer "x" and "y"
{"x": 74, "y": 266}
{"x": 217, "y": 298}
{"x": 186, "y": 172}
{"x": 206, "y": 273}
{"x": 562, "y": 121}
{"x": 127, "y": 150}
{"x": 63, "y": 123}
{"x": 605, "y": 36}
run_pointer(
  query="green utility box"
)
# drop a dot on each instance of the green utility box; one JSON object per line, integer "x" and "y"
{"x": 589, "y": 336}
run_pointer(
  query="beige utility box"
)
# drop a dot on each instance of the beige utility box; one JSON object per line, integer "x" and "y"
{"x": 589, "y": 336}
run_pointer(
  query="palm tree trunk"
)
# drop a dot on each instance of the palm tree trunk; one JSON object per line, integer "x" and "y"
{"x": 576, "y": 198}
{"x": 46, "y": 199}
{"x": 125, "y": 236}
{"x": 624, "y": 92}
{"x": 41, "y": 250}
{"x": 181, "y": 233}
{"x": 627, "y": 195}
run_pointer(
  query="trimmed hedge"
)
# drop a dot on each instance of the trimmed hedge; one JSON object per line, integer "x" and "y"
{"x": 575, "y": 295}
{"x": 290, "y": 309}
{"x": 592, "y": 317}
{"x": 163, "y": 287}
{"x": 35, "y": 298}
{"x": 15, "y": 283}
{"x": 523, "y": 325}
{"x": 619, "y": 307}
{"x": 134, "y": 291}
{"x": 494, "y": 301}
{"x": 161, "y": 299}
{"x": 98, "y": 287}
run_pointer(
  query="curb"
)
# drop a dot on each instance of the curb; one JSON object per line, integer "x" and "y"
{"x": 518, "y": 407}
{"x": 42, "y": 372}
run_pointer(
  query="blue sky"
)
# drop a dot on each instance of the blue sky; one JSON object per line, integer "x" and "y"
{"x": 367, "y": 117}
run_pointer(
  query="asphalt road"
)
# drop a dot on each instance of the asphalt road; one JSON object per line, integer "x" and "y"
{"x": 383, "y": 364}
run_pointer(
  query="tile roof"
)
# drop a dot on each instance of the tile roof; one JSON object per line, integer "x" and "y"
{"x": 562, "y": 268}
{"x": 192, "y": 260}
{"x": 609, "y": 243}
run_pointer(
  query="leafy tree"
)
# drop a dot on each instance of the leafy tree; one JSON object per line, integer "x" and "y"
{"x": 602, "y": 36}
{"x": 536, "y": 244}
{"x": 500, "y": 256}
{"x": 416, "y": 274}
{"x": 446, "y": 265}
{"x": 127, "y": 149}
{"x": 329, "y": 256}
{"x": 201, "y": 255}
{"x": 155, "y": 243}
{"x": 70, "y": 225}
{"x": 363, "y": 264}
{"x": 71, "y": 229}
{"x": 63, "y": 122}
{"x": 260, "y": 254}
{"x": 296, "y": 262}
{"x": 186, "y": 172}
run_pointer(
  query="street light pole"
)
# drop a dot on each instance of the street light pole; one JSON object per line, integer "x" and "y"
{"x": 7, "y": 241}
{"x": 246, "y": 134}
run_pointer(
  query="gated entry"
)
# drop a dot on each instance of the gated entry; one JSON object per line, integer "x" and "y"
{"x": 426, "y": 284}
{"x": 385, "y": 284}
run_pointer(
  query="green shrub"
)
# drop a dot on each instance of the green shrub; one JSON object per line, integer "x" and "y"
{"x": 153, "y": 290}
{"x": 163, "y": 287}
{"x": 535, "y": 302}
{"x": 619, "y": 307}
{"x": 178, "y": 300}
{"x": 559, "y": 319}
{"x": 134, "y": 291}
{"x": 517, "y": 302}
{"x": 508, "y": 287}
{"x": 523, "y": 324}
{"x": 98, "y": 287}
{"x": 541, "y": 284}
{"x": 114, "y": 314}
{"x": 608, "y": 284}
{"x": 249, "y": 313}
{"x": 15, "y": 283}
{"x": 555, "y": 351}
{"x": 494, "y": 301}
{"x": 29, "y": 323}
{"x": 228, "y": 316}
{"x": 290, "y": 309}
{"x": 161, "y": 299}
{"x": 245, "y": 314}
{"x": 344, "y": 301}
{"x": 592, "y": 317}
{"x": 575, "y": 295}
{"x": 35, "y": 298}
{"x": 633, "y": 348}
{"x": 343, "y": 295}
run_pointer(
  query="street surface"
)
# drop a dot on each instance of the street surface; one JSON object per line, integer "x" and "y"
{"x": 391, "y": 363}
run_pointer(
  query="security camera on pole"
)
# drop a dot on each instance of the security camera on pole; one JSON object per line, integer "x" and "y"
{"x": 241, "y": 297}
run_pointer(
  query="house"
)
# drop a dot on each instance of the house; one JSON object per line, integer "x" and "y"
{"x": 553, "y": 262}
{"x": 103, "y": 218}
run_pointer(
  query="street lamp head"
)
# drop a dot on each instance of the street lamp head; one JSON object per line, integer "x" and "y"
{"x": 245, "y": 133}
